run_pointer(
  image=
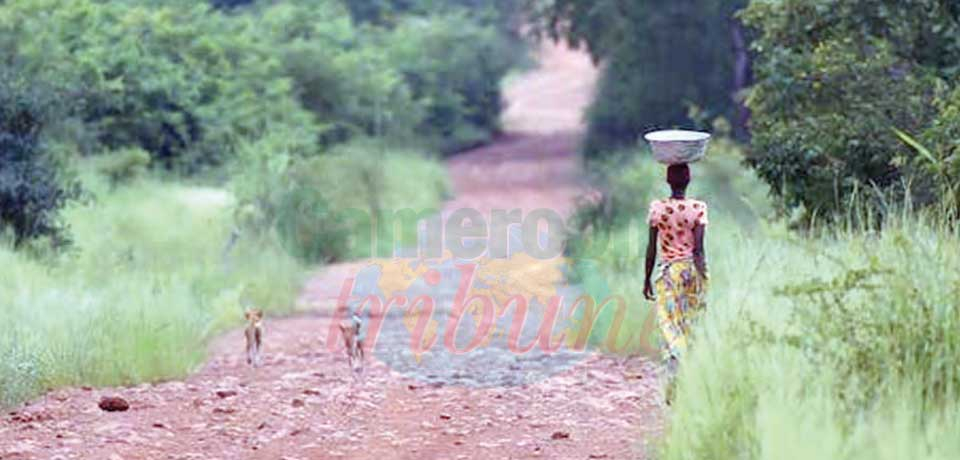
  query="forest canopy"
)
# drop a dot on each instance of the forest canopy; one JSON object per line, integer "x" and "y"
{"x": 187, "y": 82}
{"x": 192, "y": 87}
{"x": 661, "y": 59}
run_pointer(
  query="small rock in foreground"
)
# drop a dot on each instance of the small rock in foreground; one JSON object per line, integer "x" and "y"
{"x": 114, "y": 404}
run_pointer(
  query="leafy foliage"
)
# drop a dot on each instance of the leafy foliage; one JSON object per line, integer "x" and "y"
{"x": 503, "y": 13}
{"x": 31, "y": 190}
{"x": 452, "y": 56}
{"x": 175, "y": 80}
{"x": 196, "y": 86}
{"x": 189, "y": 83}
{"x": 942, "y": 163}
{"x": 833, "y": 79}
{"x": 230, "y": 3}
{"x": 661, "y": 57}
{"x": 327, "y": 207}
{"x": 455, "y": 67}
{"x": 123, "y": 166}
{"x": 336, "y": 72}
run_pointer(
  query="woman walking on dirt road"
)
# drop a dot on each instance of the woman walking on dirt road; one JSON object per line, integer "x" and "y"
{"x": 677, "y": 225}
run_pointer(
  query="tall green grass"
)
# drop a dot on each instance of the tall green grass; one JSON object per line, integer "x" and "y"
{"x": 146, "y": 284}
{"x": 837, "y": 343}
{"x": 325, "y": 207}
{"x": 371, "y": 202}
{"x": 842, "y": 345}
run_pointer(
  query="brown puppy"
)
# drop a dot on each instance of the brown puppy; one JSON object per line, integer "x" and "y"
{"x": 353, "y": 341}
{"x": 254, "y": 333}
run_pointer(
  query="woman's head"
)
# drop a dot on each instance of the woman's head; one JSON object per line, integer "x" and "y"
{"x": 678, "y": 176}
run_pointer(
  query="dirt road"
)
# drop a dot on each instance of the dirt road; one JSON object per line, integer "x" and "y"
{"x": 304, "y": 404}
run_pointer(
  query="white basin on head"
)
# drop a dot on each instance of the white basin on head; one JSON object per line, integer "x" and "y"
{"x": 675, "y": 146}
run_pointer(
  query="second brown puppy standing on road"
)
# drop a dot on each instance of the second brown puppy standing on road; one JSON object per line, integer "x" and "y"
{"x": 254, "y": 334}
{"x": 353, "y": 341}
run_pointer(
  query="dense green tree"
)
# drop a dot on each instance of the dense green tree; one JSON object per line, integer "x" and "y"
{"x": 338, "y": 73}
{"x": 31, "y": 190}
{"x": 230, "y": 3}
{"x": 189, "y": 83}
{"x": 452, "y": 55}
{"x": 376, "y": 11}
{"x": 834, "y": 79}
{"x": 938, "y": 158}
{"x": 660, "y": 56}
{"x": 455, "y": 66}
{"x": 192, "y": 86}
{"x": 505, "y": 13}
{"x": 182, "y": 82}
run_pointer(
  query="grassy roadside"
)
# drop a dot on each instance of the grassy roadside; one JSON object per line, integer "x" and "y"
{"x": 143, "y": 289}
{"x": 148, "y": 282}
{"x": 840, "y": 343}
{"x": 848, "y": 338}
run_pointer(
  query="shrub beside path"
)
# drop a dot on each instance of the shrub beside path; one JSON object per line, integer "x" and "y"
{"x": 304, "y": 404}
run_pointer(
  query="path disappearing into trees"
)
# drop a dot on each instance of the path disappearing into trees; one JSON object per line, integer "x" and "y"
{"x": 304, "y": 404}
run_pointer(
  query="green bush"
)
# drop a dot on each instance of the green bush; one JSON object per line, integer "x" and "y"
{"x": 32, "y": 189}
{"x": 326, "y": 207}
{"x": 428, "y": 75}
{"x": 502, "y": 13}
{"x": 873, "y": 326}
{"x": 175, "y": 80}
{"x": 349, "y": 203}
{"x": 833, "y": 81}
{"x": 939, "y": 166}
{"x": 338, "y": 72}
{"x": 455, "y": 67}
{"x": 227, "y": 4}
{"x": 410, "y": 71}
{"x": 190, "y": 84}
{"x": 123, "y": 166}
{"x": 258, "y": 177}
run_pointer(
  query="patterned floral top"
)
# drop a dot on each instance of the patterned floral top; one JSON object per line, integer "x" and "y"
{"x": 676, "y": 219}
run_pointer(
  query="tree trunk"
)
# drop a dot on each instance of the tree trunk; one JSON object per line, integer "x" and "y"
{"x": 742, "y": 78}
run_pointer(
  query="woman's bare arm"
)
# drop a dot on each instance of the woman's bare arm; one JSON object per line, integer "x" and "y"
{"x": 699, "y": 251}
{"x": 651, "y": 262}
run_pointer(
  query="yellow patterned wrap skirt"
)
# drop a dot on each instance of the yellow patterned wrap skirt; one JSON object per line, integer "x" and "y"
{"x": 680, "y": 292}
